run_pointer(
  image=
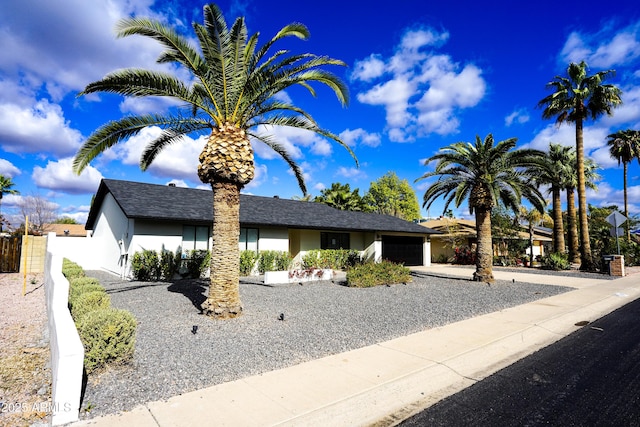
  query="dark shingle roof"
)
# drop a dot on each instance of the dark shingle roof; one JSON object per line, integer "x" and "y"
{"x": 165, "y": 203}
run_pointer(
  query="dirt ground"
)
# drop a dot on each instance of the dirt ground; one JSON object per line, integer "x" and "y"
{"x": 25, "y": 375}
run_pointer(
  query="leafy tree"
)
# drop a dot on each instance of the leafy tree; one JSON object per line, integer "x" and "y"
{"x": 5, "y": 188}
{"x": 341, "y": 197}
{"x": 552, "y": 172}
{"x": 65, "y": 220}
{"x": 390, "y": 195}
{"x": 575, "y": 98}
{"x": 624, "y": 146}
{"x": 484, "y": 174}
{"x": 232, "y": 94}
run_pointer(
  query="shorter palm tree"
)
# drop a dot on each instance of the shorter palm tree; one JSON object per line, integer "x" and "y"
{"x": 485, "y": 174}
{"x": 532, "y": 216}
{"x": 624, "y": 146}
{"x": 5, "y": 188}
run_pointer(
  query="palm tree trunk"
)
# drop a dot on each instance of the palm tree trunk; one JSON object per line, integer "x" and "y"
{"x": 558, "y": 228}
{"x": 586, "y": 259}
{"x": 531, "y": 244}
{"x": 484, "y": 250}
{"x": 572, "y": 232}
{"x": 224, "y": 297}
{"x": 626, "y": 204}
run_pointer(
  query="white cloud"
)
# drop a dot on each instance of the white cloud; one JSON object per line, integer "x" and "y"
{"x": 292, "y": 139}
{"x": 260, "y": 177}
{"x": 355, "y": 136}
{"x": 420, "y": 90}
{"x": 59, "y": 176}
{"x": 368, "y": 69}
{"x": 351, "y": 173}
{"x": 603, "y": 49}
{"x": 178, "y": 160}
{"x": 36, "y": 129}
{"x": 594, "y": 137}
{"x": 519, "y": 116}
{"x": 8, "y": 169}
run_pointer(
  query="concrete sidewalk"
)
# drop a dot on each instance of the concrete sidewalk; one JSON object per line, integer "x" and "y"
{"x": 384, "y": 383}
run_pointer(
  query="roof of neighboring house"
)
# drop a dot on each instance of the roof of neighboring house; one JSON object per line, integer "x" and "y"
{"x": 467, "y": 228}
{"x": 65, "y": 230}
{"x": 167, "y": 203}
{"x": 448, "y": 226}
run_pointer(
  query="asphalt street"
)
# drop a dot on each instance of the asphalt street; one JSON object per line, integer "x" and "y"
{"x": 589, "y": 378}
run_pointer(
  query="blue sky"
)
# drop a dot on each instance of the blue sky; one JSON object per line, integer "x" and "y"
{"x": 421, "y": 75}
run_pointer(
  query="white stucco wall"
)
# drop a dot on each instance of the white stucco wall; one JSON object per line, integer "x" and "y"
{"x": 111, "y": 226}
{"x": 273, "y": 239}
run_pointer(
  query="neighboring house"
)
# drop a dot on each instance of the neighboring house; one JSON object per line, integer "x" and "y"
{"x": 65, "y": 230}
{"x": 128, "y": 217}
{"x": 457, "y": 232}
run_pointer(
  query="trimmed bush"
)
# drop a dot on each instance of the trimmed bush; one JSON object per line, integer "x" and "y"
{"x": 81, "y": 285}
{"x": 336, "y": 259}
{"x": 376, "y": 274}
{"x": 73, "y": 271}
{"x": 247, "y": 262}
{"x": 89, "y": 301}
{"x": 273, "y": 261}
{"x": 108, "y": 336}
{"x": 198, "y": 262}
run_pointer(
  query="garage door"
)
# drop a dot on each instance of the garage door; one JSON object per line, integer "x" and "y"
{"x": 407, "y": 250}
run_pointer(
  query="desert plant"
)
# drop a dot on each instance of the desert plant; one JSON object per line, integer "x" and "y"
{"x": 555, "y": 261}
{"x": 247, "y": 262}
{"x": 337, "y": 259}
{"x": 108, "y": 336}
{"x": 82, "y": 285}
{"x": 376, "y": 274}
{"x": 169, "y": 263}
{"x": 89, "y": 301}
{"x": 464, "y": 256}
{"x": 72, "y": 271}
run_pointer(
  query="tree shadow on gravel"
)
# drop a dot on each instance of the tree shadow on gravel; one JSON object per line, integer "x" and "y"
{"x": 194, "y": 290}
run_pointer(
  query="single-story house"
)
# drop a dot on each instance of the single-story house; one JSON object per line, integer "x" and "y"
{"x": 65, "y": 230}
{"x": 128, "y": 217}
{"x": 458, "y": 232}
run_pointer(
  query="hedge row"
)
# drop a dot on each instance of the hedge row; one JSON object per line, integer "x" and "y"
{"x": 108, "y": 335}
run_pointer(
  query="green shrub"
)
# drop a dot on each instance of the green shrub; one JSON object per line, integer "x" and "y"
{"x": 169, "y": 263}
{"x": 73, "y": 271}
{"x": 247, "y": 262}
{"x": 108, "y": 336}
{"x": 81, "y": 285}
{"x": 197, "y": 263}
{"x": 89, "y": 301}
{"x": 375, "y": 274}
{"x": 336, "y": 259}
{"x": 145, "y": 265}
{"x": 273, "y": 261}
{"x": 555, "y": 261}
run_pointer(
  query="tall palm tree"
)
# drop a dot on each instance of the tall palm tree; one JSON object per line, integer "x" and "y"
{"x": 485, "y": 174}
{"x": 552, "y": 172}
{"x": 575, "y": 98}
{"x": 231, "y": 94}
{"x": 624, "y": 146}
{"x": 571, "y": 182}
{"x": 5, "y": 188}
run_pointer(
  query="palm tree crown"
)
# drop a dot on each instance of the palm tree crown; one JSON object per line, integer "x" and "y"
{"x": 5, "y": 188}
{"x": 232, "y": 94}
{"x": 486, "y": 175}
{"x": 577, "y": 97}
{"x": 234, "y": 86}
{"x": 624, "y": 146}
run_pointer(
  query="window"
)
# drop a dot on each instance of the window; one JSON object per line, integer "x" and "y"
{"x": 334, "y": 241}
{"x": 195, "y": 237}
{"x": 248, "y": 239}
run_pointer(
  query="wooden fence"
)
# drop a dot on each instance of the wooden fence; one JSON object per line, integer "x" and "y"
{"x": 10, "y": 254}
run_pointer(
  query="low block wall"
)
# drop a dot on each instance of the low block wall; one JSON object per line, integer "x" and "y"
{"x": 67, "y": 352}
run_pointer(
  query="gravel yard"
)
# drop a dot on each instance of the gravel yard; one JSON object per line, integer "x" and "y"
{"x": 25, "y": 374}
{"x": 178, "y": 350}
